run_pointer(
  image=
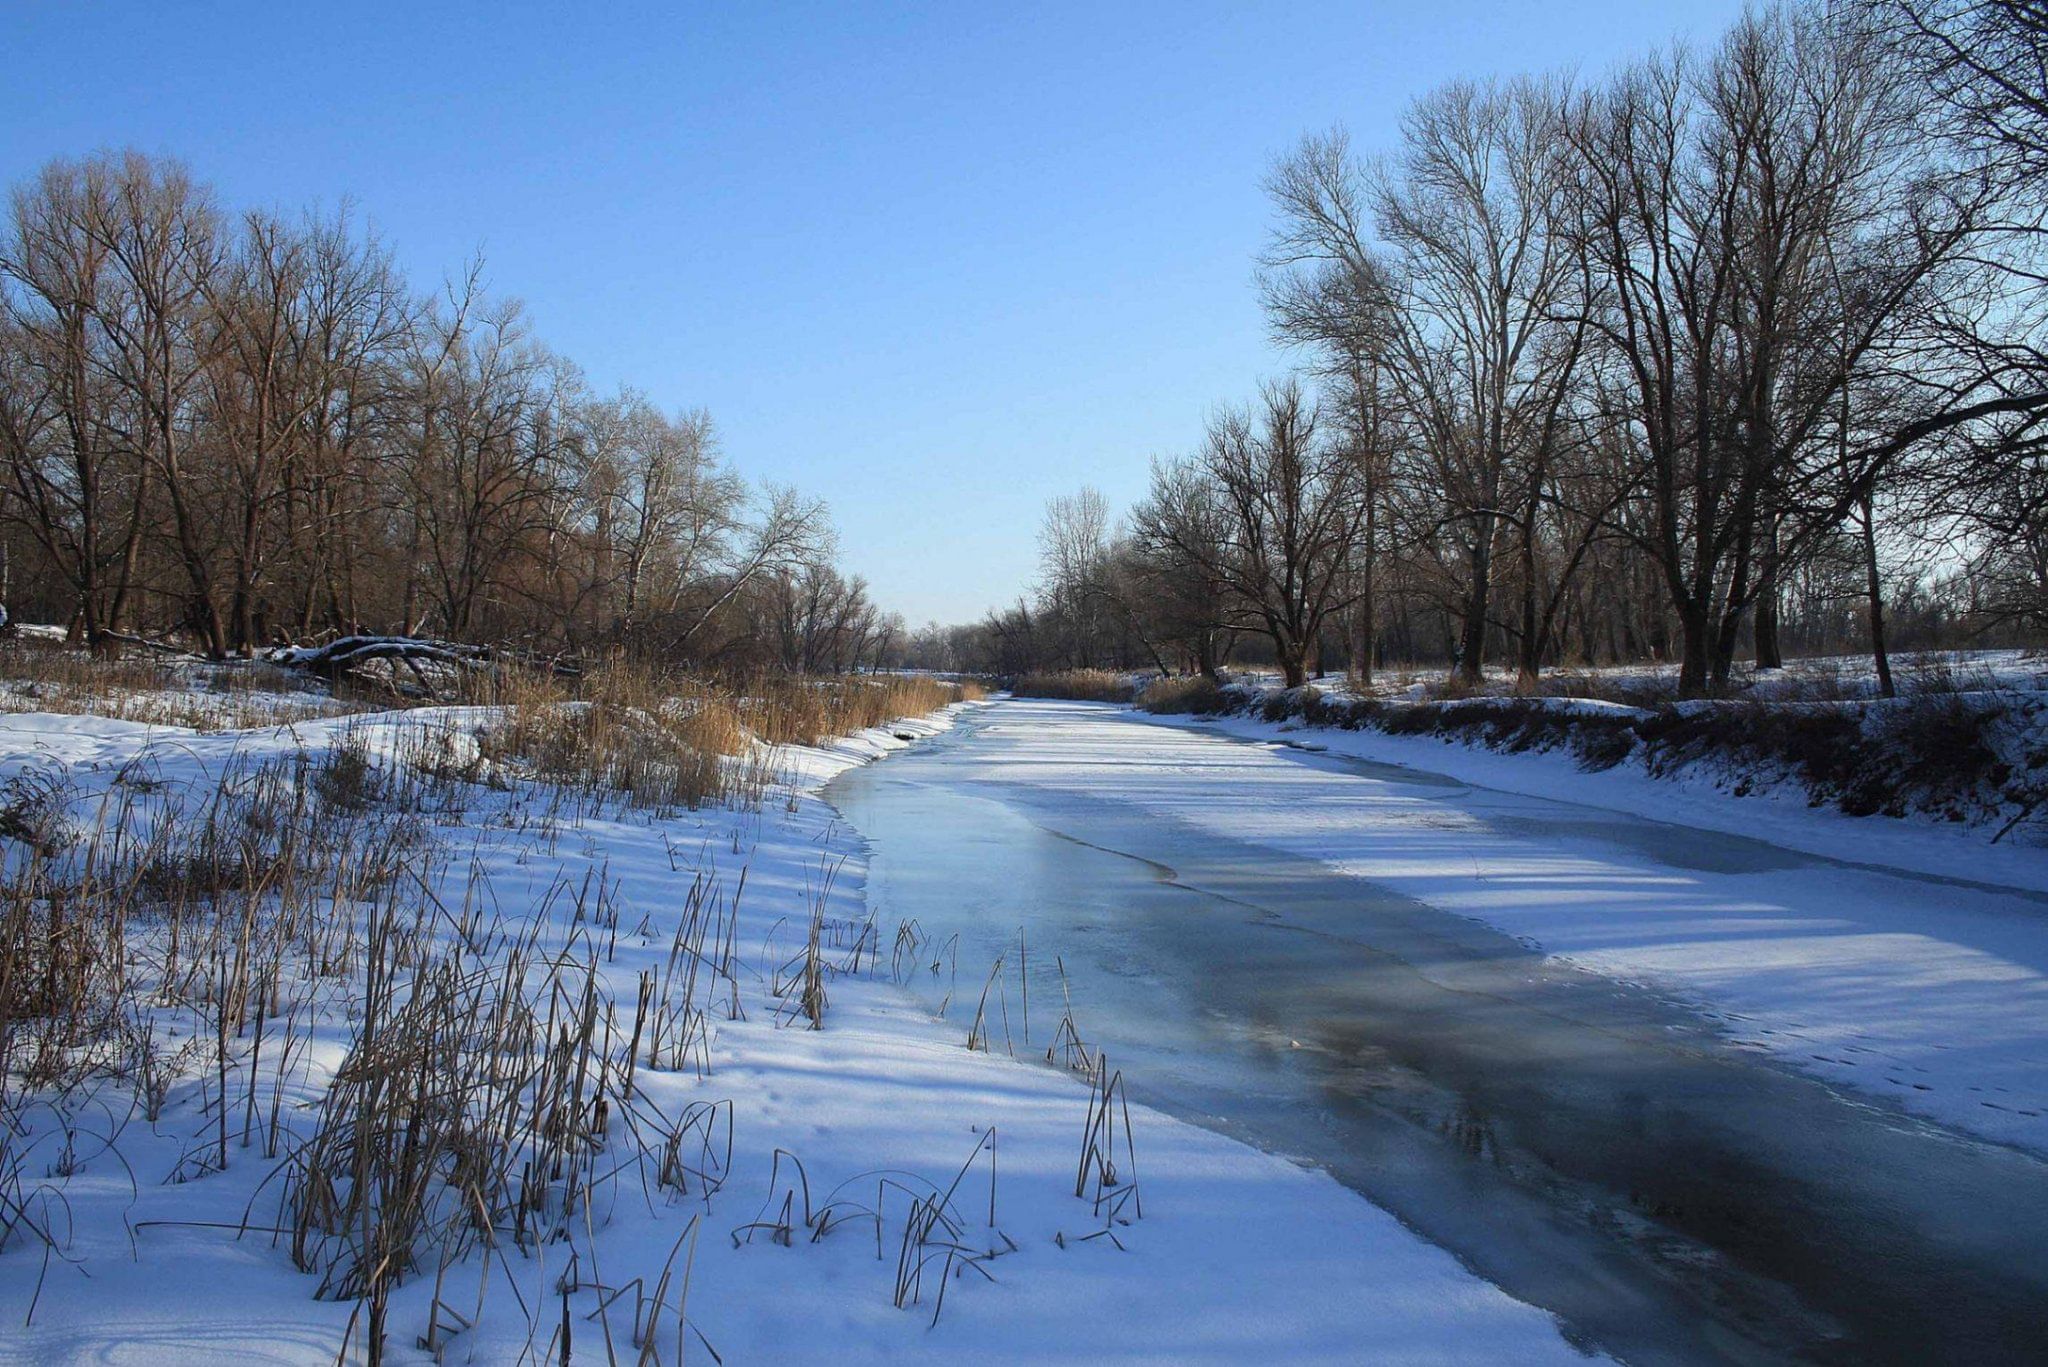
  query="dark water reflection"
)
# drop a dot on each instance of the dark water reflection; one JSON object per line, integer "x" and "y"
{"x": 1588, "y": 1147}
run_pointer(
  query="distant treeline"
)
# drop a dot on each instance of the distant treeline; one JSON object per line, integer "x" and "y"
{"x": 1734, "y": 349}
{"x": 237, "y": 428}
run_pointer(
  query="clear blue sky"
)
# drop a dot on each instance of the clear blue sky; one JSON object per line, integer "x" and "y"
{"x": 934, "y": 263}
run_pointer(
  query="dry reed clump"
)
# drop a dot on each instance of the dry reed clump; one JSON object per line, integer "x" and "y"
{"x": 490, "y": 1104}
{"x": 489, "y": 1092}
{"x": 1110, "y": 1189}
{"x": 672, "y": 742}
{"x": 46, "y": 676}
{"x": 797, "y": 710}
{"x": 154, "y": 939}
{"x": 1079, "y": 685}
{"x": 169, "y": 898}
{"x": 668, "y": 745}
{"x": 470, "y": 1112}
{"x": 935, "y": 1242}
{"x": 1194, "y": 694}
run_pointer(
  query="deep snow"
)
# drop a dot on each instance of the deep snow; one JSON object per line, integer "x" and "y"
{"x": 1239, "y": 1255}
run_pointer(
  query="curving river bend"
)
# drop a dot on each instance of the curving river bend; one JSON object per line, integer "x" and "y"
{"x": 1588, "y": 1146}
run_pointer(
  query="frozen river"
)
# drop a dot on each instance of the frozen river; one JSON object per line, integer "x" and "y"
{"x": 1588, "y": 1144}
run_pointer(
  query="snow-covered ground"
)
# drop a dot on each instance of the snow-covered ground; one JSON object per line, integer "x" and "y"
{"x": 1818, "y": 676}
{"x": 1699, "y": 799}
{"x": 1921, "y": 987}
{"x": 1237, "y": 1256}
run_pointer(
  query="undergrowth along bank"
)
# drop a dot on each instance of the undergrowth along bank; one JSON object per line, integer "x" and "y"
{"x": 1977, "y": 757}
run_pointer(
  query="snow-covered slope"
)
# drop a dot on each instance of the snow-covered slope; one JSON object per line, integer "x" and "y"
{"x": 1238, "y": 1255}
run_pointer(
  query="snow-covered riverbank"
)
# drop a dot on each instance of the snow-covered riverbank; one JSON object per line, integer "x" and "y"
{"x": 1238, "y": 1254}
{"x": 1917, "y": 988}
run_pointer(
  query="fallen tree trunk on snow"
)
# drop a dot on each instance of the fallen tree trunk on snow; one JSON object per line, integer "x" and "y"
{"x": 348, "y": 652}
{"x": 352, "y": 656}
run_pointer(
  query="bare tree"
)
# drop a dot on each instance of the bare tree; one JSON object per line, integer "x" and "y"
{"x": 1461, "y": 310}
{"x": 163, "y": 242}
{"x": 1073, "y": 556}
{"x": 75, "y": 480}
{"x": 1713, "y": 197}
{"x": 258, "y": 397}
{"x": 1985, "y": 62}
{"x": 1287, "y": 514}
{"x": 1178, "y": 538}
{"x": 356, "y": 322}
{"x": 658, "y": 495}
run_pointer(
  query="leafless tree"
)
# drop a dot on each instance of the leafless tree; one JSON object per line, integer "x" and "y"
{"x": 1073, "y": 560}
{"x": 1714, "y": 195}
{"x": 1289, "y": 513}
{"x": 76, "y": 484}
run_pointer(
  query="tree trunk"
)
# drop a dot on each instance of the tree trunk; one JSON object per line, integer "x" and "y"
{"x": 1879, "y": 656}
{"x": 1367, "y": 622}
{"x": 1528, "y": 654}
{"x": 1293, "y": 658}
{"x": 1695, "y": 627}
{"x": 1725, "y": 634}
{"x": 1362, "y": 633}
{"x": 1472, "y": 635}
{"x": 1769, "y": 655}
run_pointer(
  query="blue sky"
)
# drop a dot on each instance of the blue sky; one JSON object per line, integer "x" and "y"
{"x": 934, "y": 263}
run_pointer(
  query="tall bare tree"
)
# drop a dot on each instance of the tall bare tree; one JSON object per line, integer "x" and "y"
{"x": 1286, "y": 514}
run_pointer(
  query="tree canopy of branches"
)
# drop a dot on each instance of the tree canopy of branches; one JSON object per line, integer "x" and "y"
{"x": 246, "y": 428}
{"x": 1664, "y": 364}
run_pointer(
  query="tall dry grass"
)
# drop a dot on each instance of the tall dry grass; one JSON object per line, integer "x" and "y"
{"x": 1078, "y": 685}
{"x": 184, "y": 940}
{"x": 157, "y": 939}
{"x": 671, "y": 741}
{"x": 1184, "y": 694}
{"x": 199, "y": 900}
{"x": 790, "y": 710}
{"x": 667, "y": 746}
{"x": 184, "y": 943}
{"x": 160, "y": 690}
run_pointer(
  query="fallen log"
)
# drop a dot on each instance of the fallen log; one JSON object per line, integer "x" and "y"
{"x": 345, "y": 653}
{"x": 352, "y": 655}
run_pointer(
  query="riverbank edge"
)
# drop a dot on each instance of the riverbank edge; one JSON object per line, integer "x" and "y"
{"x": 1594, "y": 754}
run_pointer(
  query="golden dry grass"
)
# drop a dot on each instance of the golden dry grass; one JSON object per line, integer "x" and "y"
{"x": 1082, "y": 685}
